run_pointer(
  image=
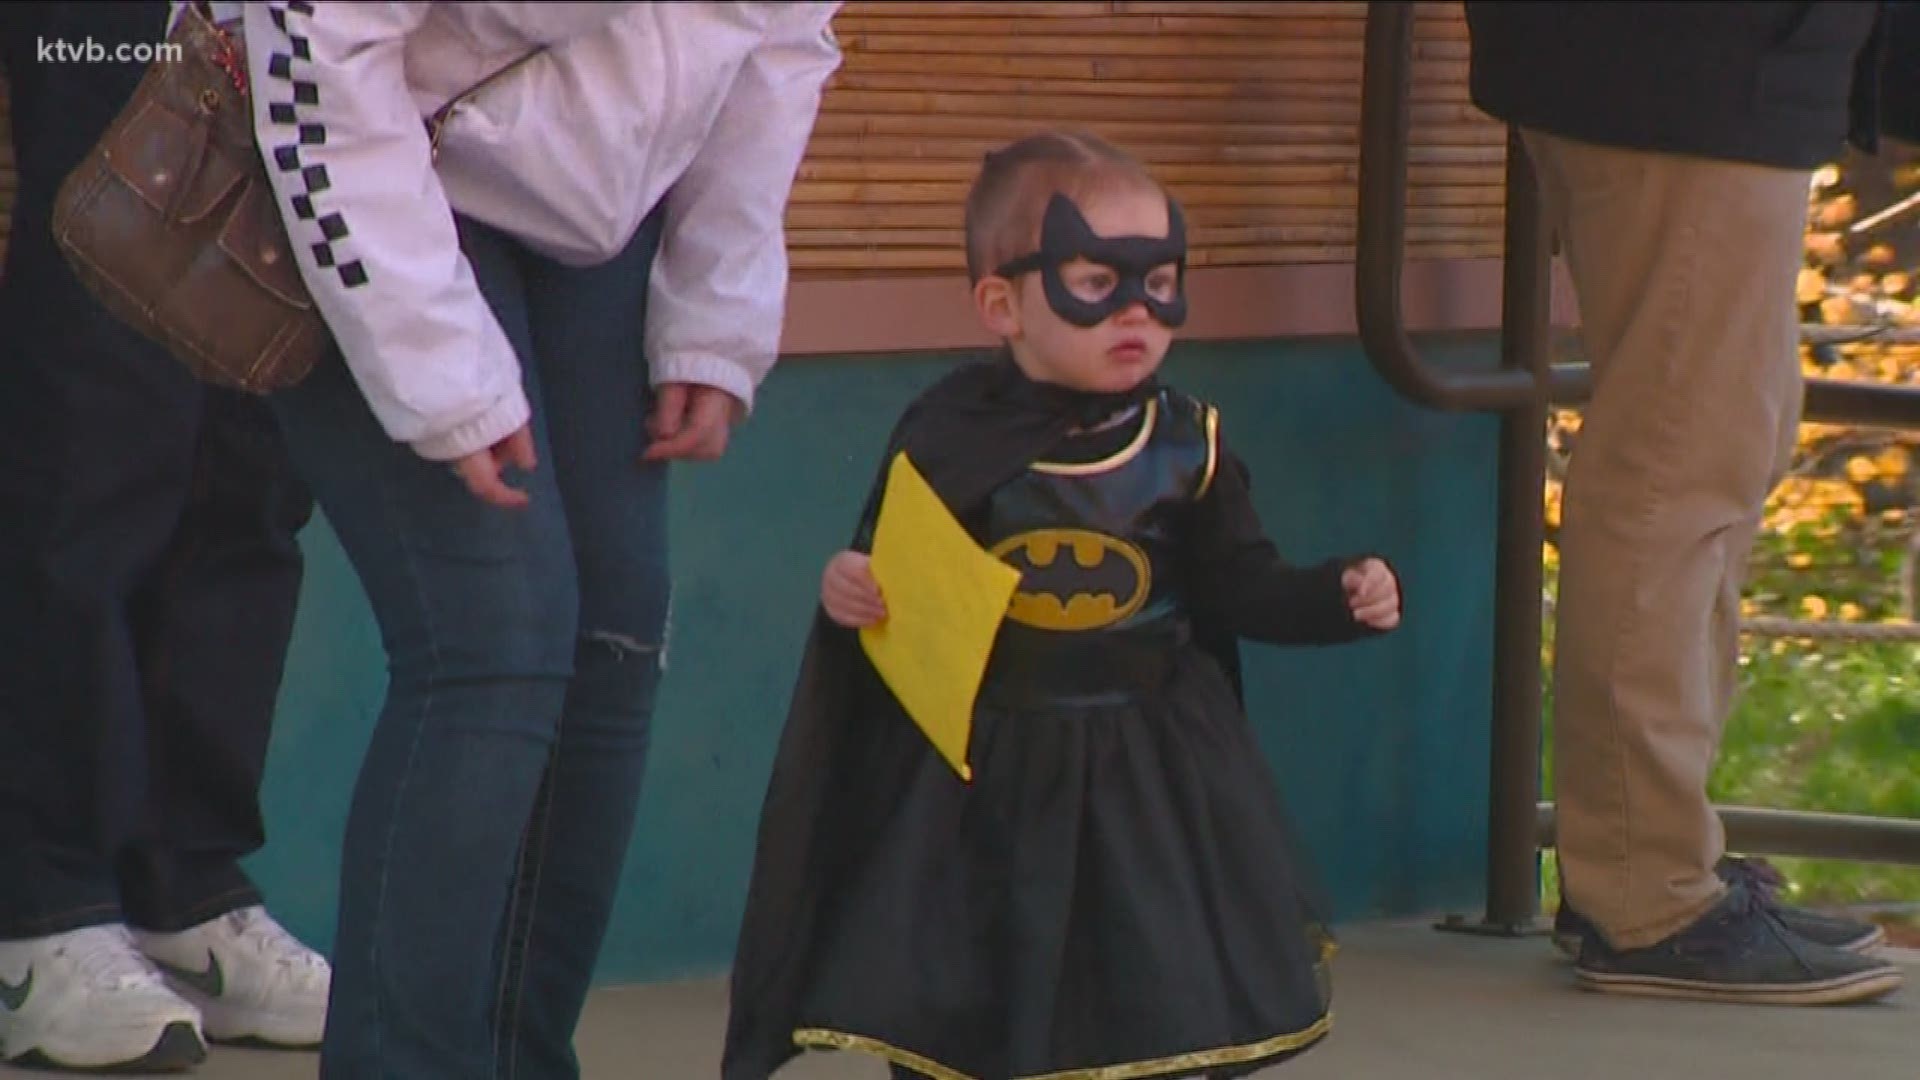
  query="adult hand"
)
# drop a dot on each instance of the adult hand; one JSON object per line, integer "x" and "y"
{"x": 690, "y": 422}
{"x": 481, "y": 471}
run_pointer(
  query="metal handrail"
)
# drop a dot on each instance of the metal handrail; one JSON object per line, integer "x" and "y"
{"x": 1385, "y": 120}
{"x": 1521, "y": 389}
{"x": 1803, "y": 833}
{"x": 1380, "y": 254}
{"x": 1828, "y": 401}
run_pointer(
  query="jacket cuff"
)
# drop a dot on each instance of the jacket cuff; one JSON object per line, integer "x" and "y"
{"x": 707, "y": 370}
{"x": 508, "y": 415}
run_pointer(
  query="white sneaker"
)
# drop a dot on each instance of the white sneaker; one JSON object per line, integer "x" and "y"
{"x": 87, "y": 999}
{"x": 252, "y": 981}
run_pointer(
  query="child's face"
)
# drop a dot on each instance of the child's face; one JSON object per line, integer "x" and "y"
{"x": 1118, "y": 353}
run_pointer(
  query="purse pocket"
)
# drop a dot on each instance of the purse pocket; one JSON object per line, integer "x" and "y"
{"x": 112, "y": 218}
{"x": 255, "y": 238}
{"x": 168, "y": 160}
{"x": 242, "y": 297}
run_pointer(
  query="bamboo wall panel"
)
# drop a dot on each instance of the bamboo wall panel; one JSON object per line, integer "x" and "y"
{"x": 1249, "y": 111}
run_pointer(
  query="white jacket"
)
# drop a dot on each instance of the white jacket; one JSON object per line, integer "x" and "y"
{"x": 707, "y": 105}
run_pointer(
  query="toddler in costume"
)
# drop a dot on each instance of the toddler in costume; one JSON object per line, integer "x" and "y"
{"x": 1115, "y": 895}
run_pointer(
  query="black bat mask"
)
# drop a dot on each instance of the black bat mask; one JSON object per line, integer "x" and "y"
{"x": 1065, "y": 236}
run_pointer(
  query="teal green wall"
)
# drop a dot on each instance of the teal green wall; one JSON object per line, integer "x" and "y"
{"x": 1381, "y": 748}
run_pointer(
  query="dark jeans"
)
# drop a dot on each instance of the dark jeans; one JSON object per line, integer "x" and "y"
{"x": 493, "y": 811}
{"x": 148, "y": 564}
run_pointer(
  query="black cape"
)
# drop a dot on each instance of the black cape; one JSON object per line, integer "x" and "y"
{"x": 847, "y": 748}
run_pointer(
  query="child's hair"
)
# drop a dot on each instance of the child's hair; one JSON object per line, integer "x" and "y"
{"x": 1010, "y": 195}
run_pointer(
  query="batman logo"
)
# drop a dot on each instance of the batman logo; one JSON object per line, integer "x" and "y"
{"x": 1074, "y": 580}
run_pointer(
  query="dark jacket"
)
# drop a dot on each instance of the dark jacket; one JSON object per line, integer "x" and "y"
{"x": 1900, "y": 75}
{"x": 1780, "y": 84}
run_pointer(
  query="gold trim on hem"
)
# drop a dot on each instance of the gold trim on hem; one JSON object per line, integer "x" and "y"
{"x": 819, "y": 1038}
{"x": 1128, "y": 453}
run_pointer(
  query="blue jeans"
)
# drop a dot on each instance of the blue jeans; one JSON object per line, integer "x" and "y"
{"x": 497, "y": 799}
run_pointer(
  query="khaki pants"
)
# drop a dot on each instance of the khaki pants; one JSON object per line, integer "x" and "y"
{"x": 1684, "y": 269}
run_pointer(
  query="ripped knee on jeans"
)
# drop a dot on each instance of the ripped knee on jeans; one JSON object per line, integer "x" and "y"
{"x": 625, "y": 646}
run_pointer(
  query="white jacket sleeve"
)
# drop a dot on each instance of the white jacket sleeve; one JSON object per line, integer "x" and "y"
{"x": 718, "y": 290}
{"x": 371, "y": 227}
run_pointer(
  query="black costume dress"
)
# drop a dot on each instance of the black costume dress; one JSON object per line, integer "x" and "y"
{"x": 1116, "y": 895}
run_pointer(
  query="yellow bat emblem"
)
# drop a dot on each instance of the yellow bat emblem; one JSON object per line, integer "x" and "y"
{"x": 1074, "y": 580}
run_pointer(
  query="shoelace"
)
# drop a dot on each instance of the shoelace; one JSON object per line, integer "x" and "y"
{"x": 1758, "y": 875}
{"x": 272, "y": 941}
{"x": 107, "y": 958}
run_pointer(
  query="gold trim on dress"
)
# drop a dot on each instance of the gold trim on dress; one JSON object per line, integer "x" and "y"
{"x": 1213, "y": 451}
{"x": 821, "y": 1039}
{"x": 817, "y": 1038}
{"x": 1131, "y": 451}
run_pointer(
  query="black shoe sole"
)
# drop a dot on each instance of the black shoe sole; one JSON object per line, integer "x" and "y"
{"x": 1842, "y": 990}
{"x": 178, "y": 1049}
{"x": 255, "y": 1042}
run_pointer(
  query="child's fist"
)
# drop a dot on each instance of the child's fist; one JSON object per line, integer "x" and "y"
{"x": 1373, "y": 594}
{"x": 849, "y": 593}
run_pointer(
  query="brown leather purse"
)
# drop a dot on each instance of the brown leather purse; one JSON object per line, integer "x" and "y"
{"x": 171, "y": 223}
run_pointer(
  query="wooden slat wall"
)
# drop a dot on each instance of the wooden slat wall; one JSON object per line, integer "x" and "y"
{"x": 1249, "y": 111}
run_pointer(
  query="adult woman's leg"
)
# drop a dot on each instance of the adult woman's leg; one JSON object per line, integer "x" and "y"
{"x": 477, "y": 608}
{"x": 587, "y": 327}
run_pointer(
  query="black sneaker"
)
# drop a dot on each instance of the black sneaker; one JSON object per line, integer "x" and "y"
{"x": 1834, "y": 931}
{"x": 1737, "y": 952}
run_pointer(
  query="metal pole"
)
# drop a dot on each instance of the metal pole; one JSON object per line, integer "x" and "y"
{"x": 1513, "y": 891}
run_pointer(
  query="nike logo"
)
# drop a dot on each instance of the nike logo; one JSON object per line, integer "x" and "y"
{"x": 211, "y": 982}
{"x": 15, "y": 997}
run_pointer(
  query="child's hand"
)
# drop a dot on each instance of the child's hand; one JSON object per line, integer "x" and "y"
{"x": 1373, "y": 593}
{"x": 851, "y": 596}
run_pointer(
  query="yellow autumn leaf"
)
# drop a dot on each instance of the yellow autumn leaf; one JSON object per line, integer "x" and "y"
{"x": 1860, "y": 470}
{"x": 1836, "y": 311}
{"x": 1799, "y": 560}
{"x": 1811, "y": 286}
{"x": 1813, "y": 607}
{"x": 1893, "y": 461}
{"x": 1851, "y": 611}
{"x": 1893, "y": 284}
{"x": 1838, "y": 212}
{"x": 1826, "y": 247}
